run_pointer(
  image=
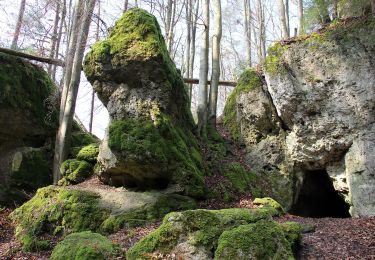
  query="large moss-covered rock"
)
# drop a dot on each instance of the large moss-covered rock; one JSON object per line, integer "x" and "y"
{"x": 27, "y": 126}
{"x": 85, "y": 245}
{"x": 64, "y": 210}
{"x": 149, "y": 142}
{"x": 194, "y": 234}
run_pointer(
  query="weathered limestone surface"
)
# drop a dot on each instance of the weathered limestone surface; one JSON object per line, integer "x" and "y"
{"x": 322, "y": 91}
{"x": 149, "y": 143}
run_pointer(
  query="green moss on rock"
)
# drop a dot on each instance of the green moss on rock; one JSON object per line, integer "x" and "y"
{"x": 85, "y": 245}
{"x": 248, "y": 80}
{"x": 75, "y": 171}
{"x": 261, "y": 240}
{"x": 57, "y": 210}
{"x": 269, "y": 203}
{"x": 89, "y": 153}
{"x": 292, "y": 232}
{"x": 273, "y": 63}
{"x": 27, "y": 87}
{"x": 198, "y": 228}
{"x": 242, "y": 180}
{"x": 162, "y": 145}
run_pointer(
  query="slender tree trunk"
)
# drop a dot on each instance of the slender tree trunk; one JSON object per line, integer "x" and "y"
{"x": 335, "y": 13}
{"x": 170, "y": 20}
{"x": 284, "y": 26}
{"x": 64, "y": 133}
{"x": 373, "y": 6}
{"x": 301, "y": 27}
{"x": 188, "y": 11}
{"x": 18, "y": 25}
{"x": 203, "y": 71}
{"x": 59, "y": 36}
{"x": 126, "y": 3}
{"x": 262, "y": 32}
{"x": 287, "y": 15}
{"x": 54, "y": 37}
{"x": 93, "y": 92}
{"x": 192, "y": 46}
{"x": 247, "y": 27}
{"x": 215, "y": 74}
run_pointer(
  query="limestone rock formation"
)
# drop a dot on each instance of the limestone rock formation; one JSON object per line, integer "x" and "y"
{"x": 149, "y": 142}
{"x": 322, "y": 91}
{"x": 219, "y": 234}
{"x": 27, "y": 126}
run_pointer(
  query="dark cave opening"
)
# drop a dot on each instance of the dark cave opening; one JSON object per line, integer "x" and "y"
{"x": 318, "y": 198}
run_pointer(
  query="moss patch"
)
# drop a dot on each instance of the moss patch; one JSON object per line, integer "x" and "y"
{"x": 85, "y": 245}
{"x": 261, "y": 240}
{"x": 269, "y": 203}
{"x": 273, "y": 63}
{"x": 27, "y": 87}
{"x": 201, "y": 228}
{"x": 89, "y": 153}
{"x": 75, "y": 171}
{"x": 248, "y": 80}
{"x": 161, "y": 144}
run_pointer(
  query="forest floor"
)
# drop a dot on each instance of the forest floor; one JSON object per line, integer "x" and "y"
{"x": 333, "y": 238}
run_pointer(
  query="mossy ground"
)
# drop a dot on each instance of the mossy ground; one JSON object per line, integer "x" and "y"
{"x": 85, "y": 245}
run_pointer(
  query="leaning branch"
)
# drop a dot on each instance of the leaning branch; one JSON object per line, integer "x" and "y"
{"x": 222, "y": 83}
{"x": 61, "y": 63}
{"x": 32, "y": 57}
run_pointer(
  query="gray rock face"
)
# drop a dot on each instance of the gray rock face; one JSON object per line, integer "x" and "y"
{"x": 322, "y": 91}
{"x": 325, "y": 96}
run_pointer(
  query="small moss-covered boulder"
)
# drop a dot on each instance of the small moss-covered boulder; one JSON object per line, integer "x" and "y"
{"x": 89, "y": 153}
{"x": 149, "y": 143}
{"x": 269, "y": 203}
{"x": 85, "y": 245}
{"x": 194, "y": 234}
{"x": 75, "y": 171}
{"x": 261, "y": 240}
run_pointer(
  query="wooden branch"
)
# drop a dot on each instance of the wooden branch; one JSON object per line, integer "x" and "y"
{"x": 221, "y": 83}
{"x": 61, "y": 63}
{"x": 32, "y": 57}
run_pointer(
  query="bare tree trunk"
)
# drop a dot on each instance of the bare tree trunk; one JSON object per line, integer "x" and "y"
{"x": 203, "y": 71}
{"x": 54, "y": 37}
{"x": 215, "y": 73}
{"x": 287, "y": 15}
{"x": 93, "y": 92}
{"x": 262, "y": 31}
{"x": 192, "y": 46}
{"x": 373, "y": 6}
{"x": 126, "y": 4}
{"x": 18, "y": 25}
{"x": 301, "y": 27}
{"x": 170, "y": 21}
{"x": 335, "y": 13}
{"x": 188, "y": 12}
{"x": 247, "y": 27}
{"x": 284, "y": 26}
{"x": 82, "y": 21}
{"x": 58, "y": 40}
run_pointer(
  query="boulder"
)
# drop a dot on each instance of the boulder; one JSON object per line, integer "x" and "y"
{"x": 85, "y": 245}
{"x": 202, "y": 234}
{"x": 61, "y": 211}
{"x": 28, "y": 121}
{"x": 150, "y": 142}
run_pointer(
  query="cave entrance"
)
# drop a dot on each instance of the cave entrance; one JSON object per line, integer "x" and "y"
{"x": 318, "y": 198}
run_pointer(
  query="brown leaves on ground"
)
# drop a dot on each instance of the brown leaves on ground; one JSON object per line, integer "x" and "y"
{"x": 337, "y": 238}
